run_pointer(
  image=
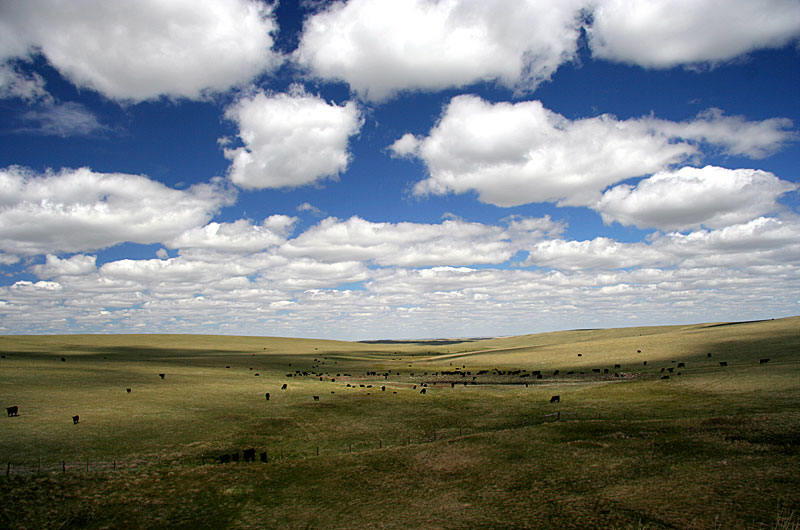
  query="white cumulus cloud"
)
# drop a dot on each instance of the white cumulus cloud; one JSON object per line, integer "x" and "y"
{"x": 666, "y": 33}
{"x": 239, "y": 236}
{"x": 691, "y": 197}
{"x": 290, "y": 139}
{"x": 144, "y": 49}
{"x": 453, "y": 242}
{"x": 77, "y": 210}
{"x": 54, "y": 266}
{"x": 380, "y": 47}
{"x": 517, "y": 153}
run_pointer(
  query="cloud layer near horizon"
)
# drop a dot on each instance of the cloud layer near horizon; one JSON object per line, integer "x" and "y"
{"x": 246, "y": 272}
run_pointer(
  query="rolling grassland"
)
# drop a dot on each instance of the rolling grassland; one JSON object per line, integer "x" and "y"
{"x": 710, "y": 446}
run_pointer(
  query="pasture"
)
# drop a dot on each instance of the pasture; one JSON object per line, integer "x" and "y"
{"x": 710, "y": 446}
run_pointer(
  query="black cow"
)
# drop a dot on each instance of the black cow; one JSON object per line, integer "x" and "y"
{"x": 235, "y": 457}
{"x": 267, "y": 396}
{"x": 257, "y": 374}
{"x": 555, "y": 373}
{"x": 670, "y": 369}
{"x": 383, "y": 389}
{"x": 422, "y": 391}
{"x": 63, "y": 359}
{"x": 644, "y": 363}
{"x": 128, "y": 390}
{"x": 249, "y": 455}
{"x": 708, "y": 354}
{"x": 723, "y": 363}
{"x": 316, "y": 398}
{"x": 162, "y": 376}
{"x": 555, "y": 399}
{"x": 284, "y": 387}
{"x": 664, "y": 377}
{"x": 12, "y": 411}
{"x": 681, "y": 365}
{"x": 224, "y": 459}
{"x": 75, "y": 419}
{"x": 596, "y": 370}
{"x": 616, "y": 366}
{"x": 763, "y": 361}
{"x": 263, "y": 457}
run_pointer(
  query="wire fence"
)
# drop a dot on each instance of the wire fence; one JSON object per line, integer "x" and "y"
{"x": 293, "y": 452}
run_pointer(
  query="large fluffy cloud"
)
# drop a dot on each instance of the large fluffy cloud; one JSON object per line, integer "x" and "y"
{"x": 290, "y": 140}
{"x": 666, "y": 33}
{"x": 141, "y": 50}
{"x": 690, "y": 197}
{"x": 452, "y": 242}
{"x": 380, "y": 47}
{"x": 517, "y": 153}
{"x": 79, "y": 210}
{"x": 383, "y": 46}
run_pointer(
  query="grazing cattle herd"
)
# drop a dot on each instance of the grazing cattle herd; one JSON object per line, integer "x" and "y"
{"x": 436, "y": 378}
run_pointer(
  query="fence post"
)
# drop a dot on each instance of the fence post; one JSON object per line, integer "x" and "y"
{"x": 317, "y": 450}
{"x": 351, "y": 448}
{"x": 380, "y": 443}
{"x": 63, "y": 466}
{"x": 8, "y": 469}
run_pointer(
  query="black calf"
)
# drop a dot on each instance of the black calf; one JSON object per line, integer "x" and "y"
{"x": 763, "y": 361}
{"x": 555, "y": 399}
{"x": 249, "y": 455}
{"x": 75, "y": 419}
{"x": 12, "y": 411}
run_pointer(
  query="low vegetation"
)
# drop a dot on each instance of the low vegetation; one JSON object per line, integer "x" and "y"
{"x": 650, "y": 431}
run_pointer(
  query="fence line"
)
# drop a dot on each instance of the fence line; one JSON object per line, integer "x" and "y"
{"x": 280, "y": 454}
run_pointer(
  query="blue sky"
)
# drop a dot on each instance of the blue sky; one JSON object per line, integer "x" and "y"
{"x": 397, "y": 168}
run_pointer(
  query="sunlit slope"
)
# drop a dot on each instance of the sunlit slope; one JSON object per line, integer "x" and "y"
{"x": 730, "y": 342}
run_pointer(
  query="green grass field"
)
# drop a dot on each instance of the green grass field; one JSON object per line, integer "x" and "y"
{"x": 714, "y": 447}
